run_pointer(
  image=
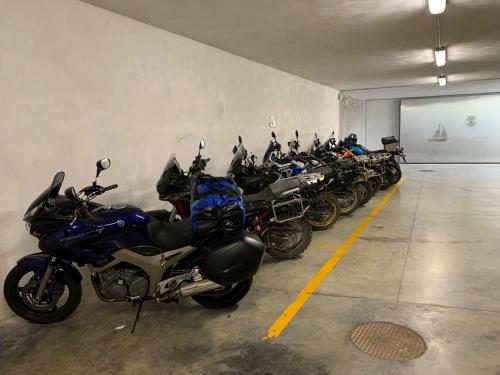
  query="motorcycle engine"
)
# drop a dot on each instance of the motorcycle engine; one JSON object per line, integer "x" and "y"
{"x": 119, "y": 284}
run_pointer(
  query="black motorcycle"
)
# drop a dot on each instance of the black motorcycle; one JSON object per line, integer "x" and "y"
{"x": 323, "y": 206}
{"x": 276, "y": 213}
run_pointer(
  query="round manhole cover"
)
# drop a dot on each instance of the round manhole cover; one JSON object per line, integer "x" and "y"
{"x": 388, "y": 341}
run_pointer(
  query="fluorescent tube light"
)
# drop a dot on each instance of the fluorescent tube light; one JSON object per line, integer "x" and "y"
{"x": 442, "y": 80}
{"x": 440, "y": 55}
{"x": 437, "y": 6}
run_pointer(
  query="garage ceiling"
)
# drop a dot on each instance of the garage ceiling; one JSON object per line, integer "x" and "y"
{"x": 346, "y": 44}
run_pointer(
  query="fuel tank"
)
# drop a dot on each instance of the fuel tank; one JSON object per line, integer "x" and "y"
{"x": 109, "y": 228}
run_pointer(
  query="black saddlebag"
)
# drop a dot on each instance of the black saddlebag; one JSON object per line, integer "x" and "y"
{"x": 234, "y": 260}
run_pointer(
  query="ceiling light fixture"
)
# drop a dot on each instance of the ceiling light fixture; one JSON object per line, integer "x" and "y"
{"x": 437, "y": 6}
{"x": 442, "y": 80}
{"x": 440, "y": 56}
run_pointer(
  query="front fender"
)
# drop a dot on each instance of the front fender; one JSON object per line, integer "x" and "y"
{"x": 38, "y": 263}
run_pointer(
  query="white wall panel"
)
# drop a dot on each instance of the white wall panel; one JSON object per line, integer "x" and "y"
{"x": 451, "y": 129}
{"x": 79, "y": 83}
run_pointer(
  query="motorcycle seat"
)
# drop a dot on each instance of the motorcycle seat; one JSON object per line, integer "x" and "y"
{"x": 170, "y": 236}
{"x": 283, "y": 185}
{"x": 264, "y": 195}
{"x": 325, "y": 171}
{"x": 344, "y": 163}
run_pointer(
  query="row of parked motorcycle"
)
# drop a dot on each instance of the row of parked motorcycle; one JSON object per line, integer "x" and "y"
{"x": 210, "y": 243}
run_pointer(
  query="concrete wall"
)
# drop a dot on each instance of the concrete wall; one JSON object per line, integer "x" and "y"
{"x": 79, "y": 83}
{"x": 370, "y": 120}
{"x": 352, "y": 117}
{"x": 382, "y": 120}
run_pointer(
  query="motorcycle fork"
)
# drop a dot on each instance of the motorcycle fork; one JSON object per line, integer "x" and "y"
{"x": 45, "y": 278}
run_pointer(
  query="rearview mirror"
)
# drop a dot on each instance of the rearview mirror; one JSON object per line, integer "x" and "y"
{"x": 273, "y": 135}
{"x": 102, "y": 165}
{"x": 296, "y": 134}
{"x": 202, "y": 144}
{"x": 235, "y": 149}
{"x": 239, "y": 139}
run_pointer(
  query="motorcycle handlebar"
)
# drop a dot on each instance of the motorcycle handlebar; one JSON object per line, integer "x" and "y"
{"x": 110, "y": 187}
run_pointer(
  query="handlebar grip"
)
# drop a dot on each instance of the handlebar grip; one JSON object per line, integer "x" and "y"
{"x": 110, "y": 187}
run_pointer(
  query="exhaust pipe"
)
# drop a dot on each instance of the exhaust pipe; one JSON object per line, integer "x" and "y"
{"x": 197, "y": 287}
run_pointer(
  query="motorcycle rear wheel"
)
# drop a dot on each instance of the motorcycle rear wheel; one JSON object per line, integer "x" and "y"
{"x": 20, "y": 297}
{"x": 323, "y": 211}
{"x": 225, "y": 297}
{"x": 288, "y": 240}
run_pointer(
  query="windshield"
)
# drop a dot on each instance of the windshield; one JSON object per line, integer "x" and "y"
{"x": 329, "y": 144}
{"x": 269, "y": 152}
{"x": 293, "y": 147}
{"x": 239, "y": 156}
{"x": 172, "y": 164}
{"x": 51, "y": 192}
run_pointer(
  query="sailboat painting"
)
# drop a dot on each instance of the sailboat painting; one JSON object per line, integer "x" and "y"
{"x": 439, "y": 135}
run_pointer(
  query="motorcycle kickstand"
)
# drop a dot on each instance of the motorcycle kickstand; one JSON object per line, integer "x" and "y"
{"x": 139, "y": 308}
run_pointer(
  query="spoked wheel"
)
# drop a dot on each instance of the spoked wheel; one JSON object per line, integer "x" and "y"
{"x": 61, "y": 297}
{"x": 375, "y": 183}
{"x": 224, "y": 297}
{"x": 389, "y": 177}
{"x": 288, "y": 240}
{"x": 323, "y": 211}
{"x": 365, "y": 192}
{"x": 348, "y": 201}
{"x": 398, "y": 174}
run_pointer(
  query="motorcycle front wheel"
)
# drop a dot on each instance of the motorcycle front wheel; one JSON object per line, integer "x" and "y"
{"x": 288, "y": 240}
{"x": 348, "y": 201}
{"x": 376, "y": 183}
{"x": 398, "y": 174}
{"x": 61, "y": 297}
{"x": 323, "y": 211}
{"x": 389, "y": 177}
{"x": 365, "y": 192}
{"x": 224, "y": 297}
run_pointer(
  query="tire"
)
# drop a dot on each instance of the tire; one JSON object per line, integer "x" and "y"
{"x": 389, "y": 177}
{"x": 365, "y": 192}
{"x": 12, "y": 294}
{"x": 352, "y": 197}
{"x": 398, "y": 174}
{"x": 376, "y": 183}
{"x": 276, "y": 247}
{"x": 220, "y": 299}
{"x": 330, "y": 207}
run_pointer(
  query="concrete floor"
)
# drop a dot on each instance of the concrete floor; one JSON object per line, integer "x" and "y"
{"x": 429, "y": 261}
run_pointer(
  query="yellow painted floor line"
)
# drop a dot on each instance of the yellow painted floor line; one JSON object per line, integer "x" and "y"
{"x": 288, "y": 314}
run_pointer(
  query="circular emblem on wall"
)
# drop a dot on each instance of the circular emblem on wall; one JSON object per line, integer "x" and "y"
{"x": 471, "y": 120}
{"x": 120, "y": 223}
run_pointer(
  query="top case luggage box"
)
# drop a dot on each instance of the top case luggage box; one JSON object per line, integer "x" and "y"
{"x": 390, "y": 143}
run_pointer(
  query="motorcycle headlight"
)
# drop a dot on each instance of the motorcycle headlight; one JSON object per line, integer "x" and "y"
{"x": 28, "y": 227}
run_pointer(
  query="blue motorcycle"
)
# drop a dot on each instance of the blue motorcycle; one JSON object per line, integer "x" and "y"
{"x": 132, "y": 256}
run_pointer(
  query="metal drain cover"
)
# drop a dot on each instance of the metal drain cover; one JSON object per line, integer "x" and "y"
{"x": 388, "y": 341}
